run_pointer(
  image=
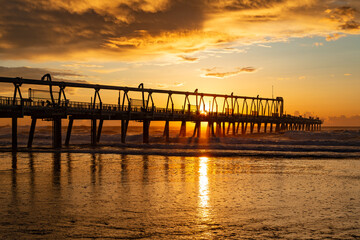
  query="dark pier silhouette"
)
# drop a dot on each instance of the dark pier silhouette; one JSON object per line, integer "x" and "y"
{"x": 237, "y": 115}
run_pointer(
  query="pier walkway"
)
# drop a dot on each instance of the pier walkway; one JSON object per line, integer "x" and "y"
{"x": 233, "y": 115}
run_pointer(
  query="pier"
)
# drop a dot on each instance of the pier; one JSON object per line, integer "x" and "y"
{"x": 225, "y": 114}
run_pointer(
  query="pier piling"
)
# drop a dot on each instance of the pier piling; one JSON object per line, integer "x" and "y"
{"x": 183, "y": 129}
{"x": 14, "y": 133}
{"x": 124, "y": 127}
{"x": 146, "y": 125}
{"x": 31, "y": 132}
{"x": 99, "y": 130}
{"x": 68, "y": 133}
{"x": 93, "y": 132}
{"x": 57, "y": 132}
{"x": 166, "y": 131}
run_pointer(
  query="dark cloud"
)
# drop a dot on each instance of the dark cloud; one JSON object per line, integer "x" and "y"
{"x": 212, "y": 72}
{"x": 236, "y": 5}
{"x": 343, "y": 12}
{"x": 37, "y": 73}
{"x": 346, "y": 16}
{"x": 343, "y": 120}
{"x": 50, "y": 29}
{"x": 350, "y": 25}
{"x": 31, "y": 31}
{"x": 29, "y": 28}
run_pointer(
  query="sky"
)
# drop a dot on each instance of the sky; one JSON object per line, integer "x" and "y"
{"x": 306, "y": 51}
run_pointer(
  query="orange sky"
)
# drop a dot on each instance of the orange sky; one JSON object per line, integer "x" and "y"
{"x": 307, "y": 51}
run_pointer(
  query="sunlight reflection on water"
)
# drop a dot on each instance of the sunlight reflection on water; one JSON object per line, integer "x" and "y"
{"x": 203, "y": 187}
{"x": 203, "y": 182}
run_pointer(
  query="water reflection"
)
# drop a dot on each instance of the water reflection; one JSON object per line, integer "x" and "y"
{"x": 203, "y": 188}
{"x": 166, "y": 168}
{"x": 14, "y": 161}
{"x": 124, "y": 169}
{"x": 96, "y": 169}
{"x": 183, "y": 169}
{"x": 57, "y": 169}
{"x": 14, "y": 192}
{"x": 32, "y": 177}
{"x": 69, "y": 168}
{"x": 145, "y": 168}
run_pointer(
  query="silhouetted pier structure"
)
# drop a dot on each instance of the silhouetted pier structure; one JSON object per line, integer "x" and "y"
{"x": 238, "y": 113}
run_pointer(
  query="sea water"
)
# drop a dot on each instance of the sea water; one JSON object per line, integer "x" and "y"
{"x": 294, "y": 185}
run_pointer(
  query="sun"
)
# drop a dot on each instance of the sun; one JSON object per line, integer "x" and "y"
{"x": 203, "y": 113}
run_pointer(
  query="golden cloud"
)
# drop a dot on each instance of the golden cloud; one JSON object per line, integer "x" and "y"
{"x": 335, "y": 36}
{"x": 138, "y": 29}
{"x": 212, "y": 72}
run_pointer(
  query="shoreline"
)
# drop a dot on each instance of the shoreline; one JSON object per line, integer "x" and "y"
{"x": 196, "y": 153}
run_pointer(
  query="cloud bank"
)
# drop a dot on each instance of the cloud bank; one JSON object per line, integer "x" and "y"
{"x": 37, "y": 73}
{"x": 137, "y": 29}
{"x": 343, "y": 120}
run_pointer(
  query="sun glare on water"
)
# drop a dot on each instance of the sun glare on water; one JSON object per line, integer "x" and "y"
{"x": 203, "y": 184}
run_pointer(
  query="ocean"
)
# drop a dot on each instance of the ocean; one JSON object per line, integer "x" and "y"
{"x": 292, "y": 185}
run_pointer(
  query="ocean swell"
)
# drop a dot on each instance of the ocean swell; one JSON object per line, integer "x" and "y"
{"x": 339, "y": 143}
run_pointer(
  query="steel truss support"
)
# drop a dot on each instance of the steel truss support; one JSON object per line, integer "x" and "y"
{"x": 62, "y": 93}
{"x": 235, "y": 104}
{"x": 47, "y": 77}
{"x": 172, "y": 103}
{"x": 17, "y": 86}
{"x": 214, "y": 103}
{"x": 126, "y": 96}
{"x": 152, "y": 102}
{"x": 226, "y": 104}
{"x": 186, "y": 103}
{"x": 97, "y": 95}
